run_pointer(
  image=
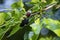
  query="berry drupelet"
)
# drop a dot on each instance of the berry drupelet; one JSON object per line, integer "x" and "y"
{"x": 28, "y": 14}
{"x": 24, "y": 22}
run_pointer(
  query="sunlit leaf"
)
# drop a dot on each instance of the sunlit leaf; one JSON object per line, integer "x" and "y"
{"x": 2, "y": 20}
{"x": 35, "y": 1}
{"x": 36, "y": 27}
{"x": 37, "y": 21}
{"x": 52, "y": 25}
{"x": 21, "y": 4}
{"x": 57, "y": 31}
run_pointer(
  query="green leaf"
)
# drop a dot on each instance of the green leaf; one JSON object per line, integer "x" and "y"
{"x": 57, "y": 31}
{"x": 56, "y": 38}
{"x": 51, "y": 1}
{"x": 14, "y": 5}
{"x": 18, "y": 4}
{"x": 8, "y": 15}
{"x": 14, "y": 30}
{"x": 3, "y": 31}
{"x": 36, "y": 27}
{"x": 30, "y": 36}
{"x": 52, "y": 25}
{"x": 44, "y": 1}
{"x": 1, "y": 36}
{"x": 26, "y": 36}
{"x": 35, "y": 8}
{"x": 34, "y": 1}
{"x": 2, "y": 18}
{"x": 37, "y": 21}
{"x": 16, "y": 14}
{"x": 46, "y": 38}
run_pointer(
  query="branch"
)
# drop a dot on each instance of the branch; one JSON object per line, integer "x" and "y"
{"x": 49, "y": 6}
{"x": 46, "y": 8}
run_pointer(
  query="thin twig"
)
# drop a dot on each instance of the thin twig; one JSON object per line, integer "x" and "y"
{"x": 48, "y": 7}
